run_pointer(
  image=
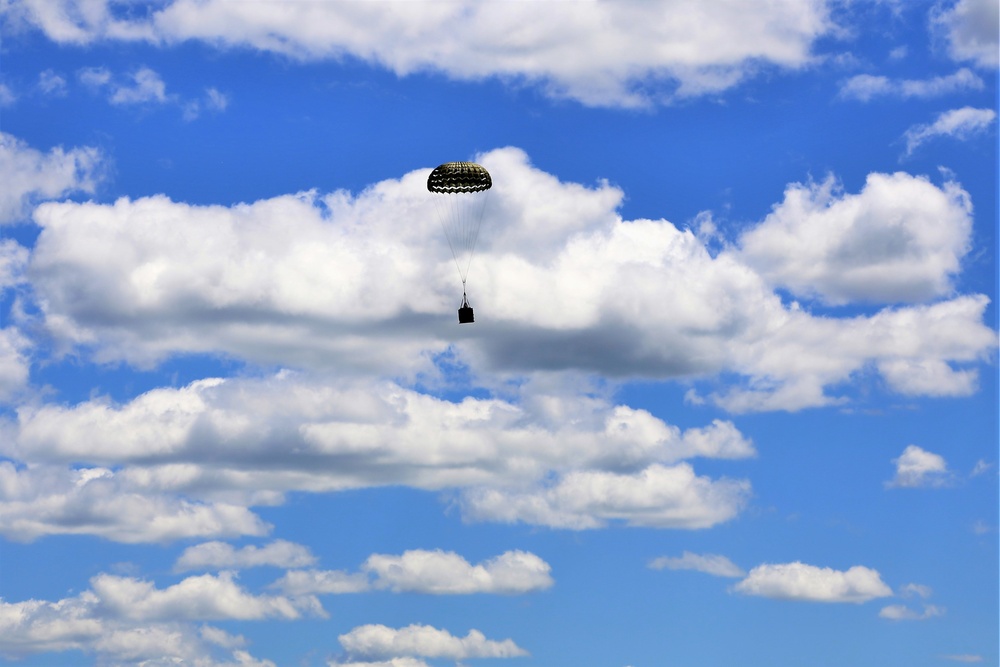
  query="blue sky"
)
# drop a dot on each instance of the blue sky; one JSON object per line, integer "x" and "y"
{"x": 731, "y": 392}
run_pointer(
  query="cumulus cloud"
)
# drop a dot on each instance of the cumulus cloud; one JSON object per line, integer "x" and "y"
{"x": 209, "y": 450}
{"x": 221, "y": 555}
{"x": 917, "y": 467}
{"x": 865, "y": 87}
{"x": 380, "y": 642}
{"x": 202, "y": 597}
{"x": 970, "y": 30}
{"x": 15, "y": 362}
{"x": 124, "y": 620}
{"x": 43, "y": 500}
{"x": 901, "y": 238}
{"x": 145, "y": 85}
{"x": 439, "y": 572}
{"x": 808, "y": 583}
{"x": 140, "y": 280}
{"x": 431, "y": 572}
{"x": 30, "y": 176}
{"x": 718, "y": 566}
{"x": 658, "y": 496}
{"x": 600, "y": 53}
{"x": 13, "y": 259}
{"x": 961, "y": 124}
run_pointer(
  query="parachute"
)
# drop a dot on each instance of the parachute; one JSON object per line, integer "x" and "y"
{"x": 460, "y": 192}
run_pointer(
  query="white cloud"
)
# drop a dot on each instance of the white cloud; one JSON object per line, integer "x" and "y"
{"x": 900, "y": 239}
{"x": 900, "y": 612}
{"x": 145, "y": 86}
{"x": 600, "y": 53}
{"x": 915, "y": 590}
{"x": 13, "y": 259}
{"x": 221, "y": 638}
{"x": 94, "y": 77}
{"x": 917, "y": 467}
{"x": 192, "y": 458}
{"x": 294, "y": 280}
{"x": 52, "y": 83}
{"x": 216, "y": 100}
{"x": 7, "y": 96}
{"x": 718, "y": 566}
{"x": 102, "y": 621}
{"x": 970, "y": 28}
{"x": 721, "y": 440}
{"x": 981, "y": 467}
{"x": 322, "y": 434}
{"x": 322, "y": 582}
{"x": 197, "y": 598}
{"x": 440, "y": 573}
{"x": 15, "y": 362}
{"x": 924, "y": 377}
{"x": 962, "y": 124}
{"x": 391, "y": 662}
{"x": 423, "y": 641}
{"x": 865, "y": 87}
{"x": 221, "y": 555}
{"x": 658, "y": 496}
{"x": 45, "y": 500}
{"x": 430, "y": 572}
{"x": 798, "y": 581}
{"x": 142, "y": 86}
{"x": 30, "y": 176}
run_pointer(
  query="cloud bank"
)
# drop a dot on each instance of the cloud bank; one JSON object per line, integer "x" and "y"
{"x": 598, "y": 53}
{"x": 128, "y": 620}
{"x": 294, "y": 281}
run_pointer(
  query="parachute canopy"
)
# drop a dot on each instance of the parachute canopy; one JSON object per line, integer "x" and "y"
{"x": 459, "y": 177}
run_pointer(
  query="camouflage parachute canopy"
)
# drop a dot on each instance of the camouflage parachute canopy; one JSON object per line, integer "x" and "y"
{"x": 453, "y": 177}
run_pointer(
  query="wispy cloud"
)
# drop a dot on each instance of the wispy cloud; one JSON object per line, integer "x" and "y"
{"x": 52, "y": 83}
{"x": 865, "y": 87}
{"x": 224, "y": 556}
{"x": 962, "y": 124}
{"x": 963, "y": 657}
{"x": 145, "y": 87}
{"x": 7, "y": 95}
{"x": 713, "y": 564}
{"x": 899, "y": 612}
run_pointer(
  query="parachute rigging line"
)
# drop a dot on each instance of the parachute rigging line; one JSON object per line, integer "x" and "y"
{"x": 461, "y": 190}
